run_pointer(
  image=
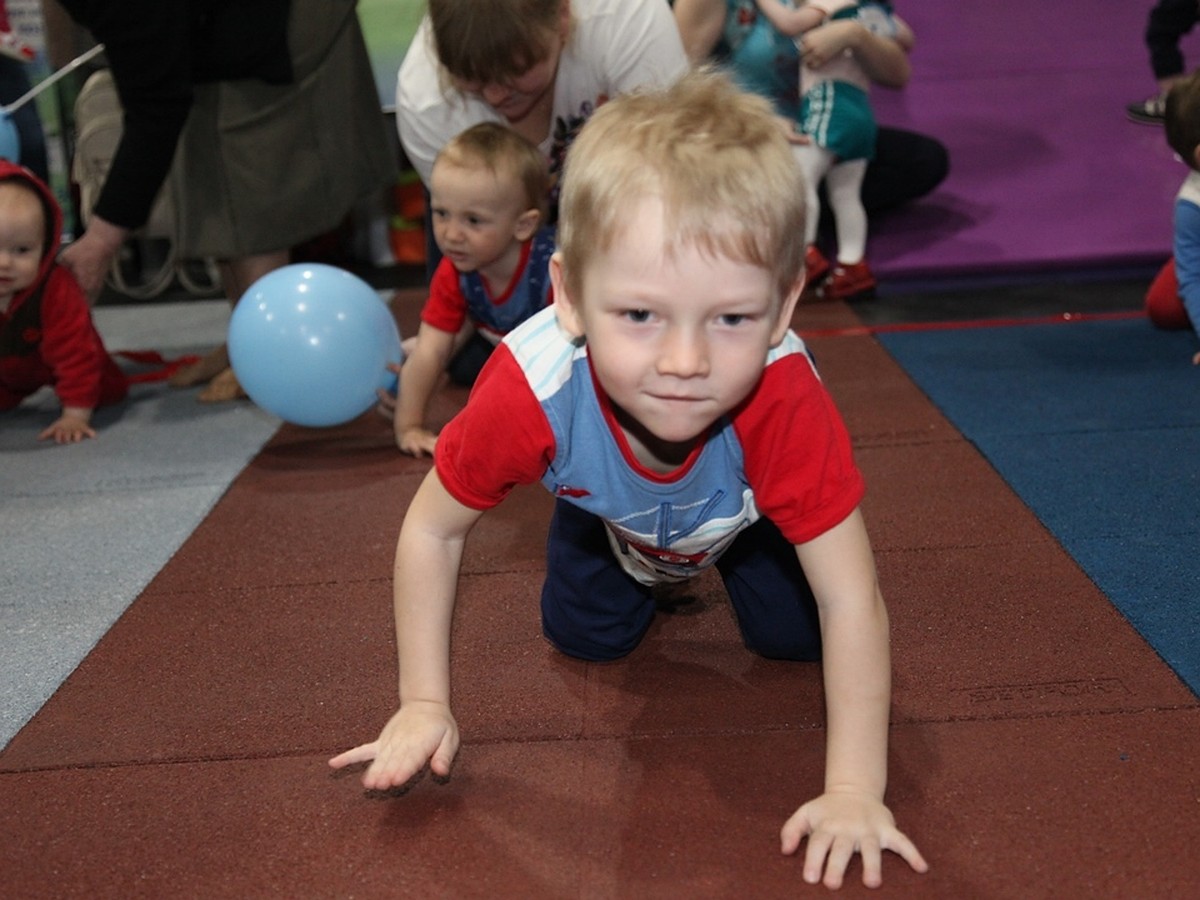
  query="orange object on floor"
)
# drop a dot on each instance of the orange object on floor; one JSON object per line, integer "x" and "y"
{"x": 408, "y": 243}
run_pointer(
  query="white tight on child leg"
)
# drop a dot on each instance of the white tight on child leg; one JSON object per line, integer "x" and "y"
{"x": 843, "y": 185}
{"x": 814, "y": 163}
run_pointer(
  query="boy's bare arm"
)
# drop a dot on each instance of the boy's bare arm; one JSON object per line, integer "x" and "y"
{"x": 428, "y": 556}
{"x": 418, "y": 380}
{"x": 850, "y": 816}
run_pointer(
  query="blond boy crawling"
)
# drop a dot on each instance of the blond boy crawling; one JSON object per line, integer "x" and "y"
{"x": 680, "y": 423}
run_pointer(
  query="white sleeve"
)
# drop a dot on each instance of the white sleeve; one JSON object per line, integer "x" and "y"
{"x": 641, "y": 46}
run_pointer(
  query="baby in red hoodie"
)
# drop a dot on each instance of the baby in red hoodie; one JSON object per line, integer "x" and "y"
{"x": 47, "y": 336}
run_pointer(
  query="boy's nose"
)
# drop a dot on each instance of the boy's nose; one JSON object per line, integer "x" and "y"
{"x": 684, "y": 355}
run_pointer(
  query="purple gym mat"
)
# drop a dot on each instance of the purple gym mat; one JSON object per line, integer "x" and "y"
{"x": 1046, "y": 171}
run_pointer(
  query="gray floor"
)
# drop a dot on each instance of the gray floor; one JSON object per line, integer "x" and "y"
{"x": 85, "y": 527}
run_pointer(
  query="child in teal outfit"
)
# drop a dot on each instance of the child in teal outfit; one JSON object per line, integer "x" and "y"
{"x": 836, "y": 115}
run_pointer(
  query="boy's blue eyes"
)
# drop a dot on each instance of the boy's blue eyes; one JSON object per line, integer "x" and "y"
{"x": 644, "y": 315}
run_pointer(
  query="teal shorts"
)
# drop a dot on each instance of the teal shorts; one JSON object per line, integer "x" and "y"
{"x": 837, "y": 116}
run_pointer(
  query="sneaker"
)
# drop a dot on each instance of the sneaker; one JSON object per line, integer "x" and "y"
{"x": 816, "y": 266}
{"x": 13, "y": 47}
{"x": 853, "y": 282}
{"x": 1151, "y": 111}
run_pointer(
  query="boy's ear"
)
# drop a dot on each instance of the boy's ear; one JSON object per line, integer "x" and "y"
{"x": 1196, "y": 158}
{"x": 564, "y": 304}
{"x": 786, "y": 309}
{"x": 527, "y": 224}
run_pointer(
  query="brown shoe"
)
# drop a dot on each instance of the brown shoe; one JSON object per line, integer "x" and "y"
{"x": 853, "y": 282}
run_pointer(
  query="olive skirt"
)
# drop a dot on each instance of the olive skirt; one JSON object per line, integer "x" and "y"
{"x": 263, "y": 167}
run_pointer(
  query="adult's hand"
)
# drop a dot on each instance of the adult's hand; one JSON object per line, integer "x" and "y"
{"x": 90, "y": 257}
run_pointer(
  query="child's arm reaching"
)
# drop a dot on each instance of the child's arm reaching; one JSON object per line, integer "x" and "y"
{"x": 423, "y": 730}
{"x": 791, "y": 20}
{"x": 419, "y": 378}
{"x": 850, "y": 816}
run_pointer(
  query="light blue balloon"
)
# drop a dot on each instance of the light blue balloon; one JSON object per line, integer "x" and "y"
{"x": 311, "y": 343}
{"x": 10, "y": 141}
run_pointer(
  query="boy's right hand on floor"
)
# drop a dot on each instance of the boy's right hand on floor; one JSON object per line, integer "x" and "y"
{"x": 420, "y": 732}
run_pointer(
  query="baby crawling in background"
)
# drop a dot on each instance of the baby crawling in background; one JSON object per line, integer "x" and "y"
{"x": 487, "y": 204}
{"x": 47, "y": 336}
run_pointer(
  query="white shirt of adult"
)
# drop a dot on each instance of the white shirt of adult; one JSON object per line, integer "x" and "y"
{"x": 615, "y": 46}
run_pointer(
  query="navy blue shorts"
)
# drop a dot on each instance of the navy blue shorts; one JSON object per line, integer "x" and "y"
{"x": 593, "y": 610}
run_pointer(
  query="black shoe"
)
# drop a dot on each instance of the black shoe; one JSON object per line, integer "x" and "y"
{"x": 1151, "y": 111}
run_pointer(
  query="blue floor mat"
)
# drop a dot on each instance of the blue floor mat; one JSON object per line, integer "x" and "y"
{"x": 1096, "y": 426}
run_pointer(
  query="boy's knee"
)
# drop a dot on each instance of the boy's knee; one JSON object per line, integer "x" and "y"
{"x": 592, "y": 645}
{"x": 801, "y": 648}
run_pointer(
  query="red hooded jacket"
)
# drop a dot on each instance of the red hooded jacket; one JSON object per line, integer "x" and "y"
{"x": 47, "y": 336}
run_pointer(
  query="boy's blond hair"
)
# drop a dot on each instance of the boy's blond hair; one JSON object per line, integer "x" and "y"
{"x": 1182, "y": 122}
{"x": 505, "y": 154}
{"x": 714, "y": 155}
{"x": 492, "y": 41}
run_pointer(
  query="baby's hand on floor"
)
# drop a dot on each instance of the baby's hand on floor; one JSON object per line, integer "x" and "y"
{"x": 416, "y": 442}
{"x": 68, "y": 429}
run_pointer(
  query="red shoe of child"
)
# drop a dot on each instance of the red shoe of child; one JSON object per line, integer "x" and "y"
{"x": 853, "y": 282}
{"x": 816, "y": 266}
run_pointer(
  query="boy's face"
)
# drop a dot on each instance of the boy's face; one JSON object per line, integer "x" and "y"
{"x": 478, "y": 219}
{"x": 22, "y": 235}
{"x": 675, "y": 341}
